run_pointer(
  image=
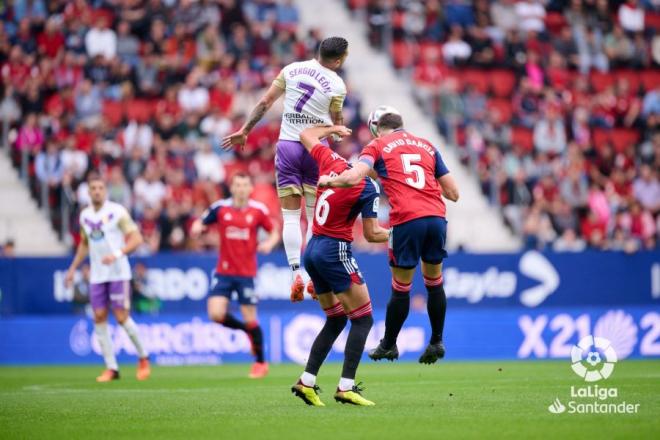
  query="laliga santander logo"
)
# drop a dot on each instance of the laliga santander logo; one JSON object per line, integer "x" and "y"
{"x": 598, "y": 354}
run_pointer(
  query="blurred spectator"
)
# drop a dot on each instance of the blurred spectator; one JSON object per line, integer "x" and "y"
{"x": 456, "y": 51}
{"x": 101, "y": 40}
{"x": 631, "y": 16}
{"x": 550, "y": 134}
{"x": 48, "y": 166}
{"x": 530, "y": 15}
{"x": 646, "y": 188}
{"x": 208, "y": 165}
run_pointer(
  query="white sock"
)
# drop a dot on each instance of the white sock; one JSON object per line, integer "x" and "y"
{"x": 102, "y": 335}
{"x": 308, "y": 379}
{"x": 309, "y": 213}
{"x": 346, "y": 384}
{"x": 132, "y": 331}
{"x": 292, "y": 238}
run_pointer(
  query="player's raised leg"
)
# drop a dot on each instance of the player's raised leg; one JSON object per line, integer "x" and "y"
{"x": 295, "y": 172}
{"x": 119, "y": 299}
{"x": 253, "y": 329}
{"x": 357, "y": 304}
{"x": 99, "y": 298}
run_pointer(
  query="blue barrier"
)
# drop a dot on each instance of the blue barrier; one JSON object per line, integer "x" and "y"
{"x": 530, "y": 279}
{"x": 471, "y": 334}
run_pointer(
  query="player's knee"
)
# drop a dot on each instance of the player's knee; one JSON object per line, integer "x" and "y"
{"x": 217, "y": 316}
{"x": 362, "y": 315}
{"x": 401, "y": 287}
{"x": 100, "y": 316}
{"x": 335, "y": 311}
{"x": 433, "y": 282}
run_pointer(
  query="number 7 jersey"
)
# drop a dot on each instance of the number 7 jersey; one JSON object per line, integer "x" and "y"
{"x": 408, "y": 168}
{"x": 311, "y": 91}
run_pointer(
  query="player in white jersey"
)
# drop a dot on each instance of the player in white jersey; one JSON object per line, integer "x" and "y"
{"x": 313, "y": 95}
{"x": 108, "y": 235}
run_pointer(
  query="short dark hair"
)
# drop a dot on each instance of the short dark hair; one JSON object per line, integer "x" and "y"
{"x": 242, "y": 175}
{"x": 94, "y": 176}
{"x": 390, "y": 120}
{"x": 333, "y": 48}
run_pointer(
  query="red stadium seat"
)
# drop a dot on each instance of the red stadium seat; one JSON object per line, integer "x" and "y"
{"x": 652, "y": 20}
{"x": 554, "y": 22}
{"x": 504, "y": 106}
{"x": 620, "y": 138}
{"x": 502, "y": 83}
{"x": 632, "y": 77}
{"x": 403, "y": 54}
{"x": 477, "y": 78}
{"x": 113, "y": 111}
{"x": 600, "y": 81}
{"x": 650, "y": 79}
{"x": 524, "y": 137}
{"x": 140, "y": 110}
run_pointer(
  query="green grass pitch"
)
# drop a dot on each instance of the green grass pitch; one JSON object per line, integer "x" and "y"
{"x": 446, "y": 400}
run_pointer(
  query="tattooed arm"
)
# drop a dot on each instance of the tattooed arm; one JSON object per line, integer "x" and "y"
{"x": 258, "y": 112}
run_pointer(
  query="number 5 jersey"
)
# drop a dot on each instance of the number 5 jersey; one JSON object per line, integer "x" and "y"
{"x": 408, "y": 168}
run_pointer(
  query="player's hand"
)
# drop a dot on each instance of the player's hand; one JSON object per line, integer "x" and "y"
{"x": 68, "y": 278}
{"x": 238, "y": 138}
{"x": 196, "y": 229}
{"x": 109, "y": 259}
{"x": 325, "y": 181}
{"x": 341, "y": 131}
{"x": 265, "y": 247}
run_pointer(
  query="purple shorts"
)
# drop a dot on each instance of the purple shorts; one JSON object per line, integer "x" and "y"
{"x": 113, "y": 294}
{"x": 296, "y": 171}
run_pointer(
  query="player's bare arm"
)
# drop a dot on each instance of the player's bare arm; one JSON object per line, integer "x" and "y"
{"x": 449, "y": 187}
{"x": 373, "y": 232}
{"x": 133, "y": 240}
{"x": 312, "y": 136}
{"x": 266, "y": 246}
{"x": 350, "y": 177}
{"x": 81, "y": 253}
{"x": 258, "y": 112}
{"x": 197, "y": 228}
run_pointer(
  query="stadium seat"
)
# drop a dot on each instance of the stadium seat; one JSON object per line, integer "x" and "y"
{"x": 652, "y": 20}
{"x": 650, "y": 79}
{"x": 477, "y": 78}
{"x": 632, "y": 77}
{"x": 113, "y": 111}
{"x": 600, "y": 81}
{"x": 524, "y": 137}
{"x": 140, "y": 110}
{"x": 502, "y": 83}
{"x": 554, "y": 22}
{"x": 504, "y": 106}
{"x": 620, "y": 138}
{"x": 402, "y": 54}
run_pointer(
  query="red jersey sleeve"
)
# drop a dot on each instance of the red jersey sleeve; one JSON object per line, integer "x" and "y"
{"x": 371, "y": 153}
{"x": 323, "y": 157}
{"x": 265, "y": 221}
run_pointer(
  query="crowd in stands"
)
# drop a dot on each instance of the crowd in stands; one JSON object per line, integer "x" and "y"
{"x": 143, "y": 91}
{"x": 553, "y": 104}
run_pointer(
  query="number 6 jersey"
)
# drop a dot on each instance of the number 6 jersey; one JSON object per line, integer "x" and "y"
{"x": 311, "y": 91}
{"x": 337, "y": 208}
{"x": 408, "y": 167}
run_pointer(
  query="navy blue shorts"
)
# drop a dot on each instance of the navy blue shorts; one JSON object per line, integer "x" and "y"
{"x": 330, "y": 264}
{"x": 226, "y": 285}
{"x": 423, "y": 238}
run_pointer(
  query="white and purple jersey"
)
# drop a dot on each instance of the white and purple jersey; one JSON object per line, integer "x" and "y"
{"x": 311, "y": 91}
